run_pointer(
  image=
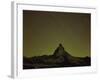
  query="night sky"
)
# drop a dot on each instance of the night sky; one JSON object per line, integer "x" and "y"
{"x": 43, "y": 31}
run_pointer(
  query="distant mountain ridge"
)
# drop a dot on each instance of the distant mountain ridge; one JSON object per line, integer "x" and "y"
{"x": 60, "y": 58}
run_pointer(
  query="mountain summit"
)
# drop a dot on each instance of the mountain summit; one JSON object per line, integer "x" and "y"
{"x": 60, "y": 58}
{"x": 59, "y": 51}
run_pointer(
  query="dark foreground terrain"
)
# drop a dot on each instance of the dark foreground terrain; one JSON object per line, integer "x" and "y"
{"x": 60, "y": 58}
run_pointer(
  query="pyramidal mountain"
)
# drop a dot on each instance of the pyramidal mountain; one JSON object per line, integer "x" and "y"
{"x": 60, "y": 58}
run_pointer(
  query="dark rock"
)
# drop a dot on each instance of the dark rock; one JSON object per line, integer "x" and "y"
{"x": 60, "y": 58}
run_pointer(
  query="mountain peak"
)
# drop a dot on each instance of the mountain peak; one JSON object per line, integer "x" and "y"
{"x": 59, "y": 51}
{"x": 60, "y": 44}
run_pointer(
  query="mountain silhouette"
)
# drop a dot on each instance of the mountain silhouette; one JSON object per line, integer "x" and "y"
{"x": 60, "y": 58}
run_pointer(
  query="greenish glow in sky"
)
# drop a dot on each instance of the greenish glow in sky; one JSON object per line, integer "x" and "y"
{"x": 43, "y": 31}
